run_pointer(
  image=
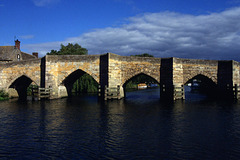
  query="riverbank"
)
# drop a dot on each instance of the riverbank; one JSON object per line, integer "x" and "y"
{"x": 3, "y": 95}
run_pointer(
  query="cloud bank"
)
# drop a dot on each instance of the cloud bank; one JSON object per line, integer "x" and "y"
{"x": 26, "y": 36}
{"x": 164, "y": 34}
{"x": 42, "y": 3}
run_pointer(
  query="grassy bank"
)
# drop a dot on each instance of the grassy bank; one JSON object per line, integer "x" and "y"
{"x": 3, "y": 95}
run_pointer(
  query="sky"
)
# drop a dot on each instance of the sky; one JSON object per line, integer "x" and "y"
{"x": 198, "y": 29}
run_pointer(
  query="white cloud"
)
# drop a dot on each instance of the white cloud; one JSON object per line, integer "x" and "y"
{"x": 42, "y": 48}
{"x": 42, "y": 3}
{"x": 26, "y": 36}
{"x": 165, "y": 34}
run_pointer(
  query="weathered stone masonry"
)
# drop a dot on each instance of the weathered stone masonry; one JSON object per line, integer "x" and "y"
{"x": 123, "y": 68}
{"x": 111, "y": 70}
{"x": 58, "y": 68}
{"x": 11, "y": 72}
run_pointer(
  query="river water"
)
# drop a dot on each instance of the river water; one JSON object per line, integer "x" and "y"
{"x": 137, "y": 127}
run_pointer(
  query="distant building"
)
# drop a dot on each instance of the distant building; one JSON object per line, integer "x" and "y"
{"x": 13, "y": 53}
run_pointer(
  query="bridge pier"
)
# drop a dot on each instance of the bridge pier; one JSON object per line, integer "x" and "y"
{"x": 22, "y": 92}
{"x": 58, "y": 91}
{"x": 228, "y": 79}
{"x": 54, "y": 75}
{"x": 12, "y": 92}
{"x": 49, "y": 78}
{"x": 171, "y": 79}
{"x": 111, "y": 77}
{"x": 62, "y": 91}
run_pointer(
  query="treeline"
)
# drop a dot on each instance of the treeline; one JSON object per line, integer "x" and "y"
{"x": 85, "y": 84}
{"x": 143, "y": 55}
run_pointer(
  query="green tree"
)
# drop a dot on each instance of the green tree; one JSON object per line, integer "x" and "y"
{"x": 53, "y": 52}
{"x": 85, "y": 84}
{"x": 70, "y": 49}
{"x": 143, "y": 55}
{"x": 3, "y": 95}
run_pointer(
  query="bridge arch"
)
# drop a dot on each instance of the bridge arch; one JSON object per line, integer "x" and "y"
{"x": 10, "y": 83}
{"x": 20, "y": 84}
{"x": 71, "y": 78}
{"x": 203, "y": 78}
{"x": 74, "y": 72}
{"x": 130, "y": 77}
{"x": 211, "y": 77}
{"x": 137, "y": 75}
{"x": 203, "y": 84}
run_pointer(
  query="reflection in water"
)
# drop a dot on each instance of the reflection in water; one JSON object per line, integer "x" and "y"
{"x": 137, "y": 127}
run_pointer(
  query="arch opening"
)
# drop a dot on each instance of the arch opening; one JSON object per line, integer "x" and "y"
{"x": 200, "y": 85}
{"x": 79, "y": 82}
{"x": 22, "y": 86}
{"x": 139, "y": 82}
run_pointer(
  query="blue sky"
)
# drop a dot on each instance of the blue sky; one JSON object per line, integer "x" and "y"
{"x": 207, "y": 29}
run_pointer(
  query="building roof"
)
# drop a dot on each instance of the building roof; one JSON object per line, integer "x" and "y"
{"x": 26, "y": 56}
{"x": 9, "y": 53}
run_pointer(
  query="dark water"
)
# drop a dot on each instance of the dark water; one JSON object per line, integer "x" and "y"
{"x": 139, "y": 127}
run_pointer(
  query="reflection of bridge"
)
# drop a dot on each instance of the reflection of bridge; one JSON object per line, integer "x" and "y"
{"x": 60, "y": 72}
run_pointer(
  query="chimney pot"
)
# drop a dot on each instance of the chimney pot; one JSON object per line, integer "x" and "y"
{"x": 35, "y": 54}
{"x": 17, "y": 44}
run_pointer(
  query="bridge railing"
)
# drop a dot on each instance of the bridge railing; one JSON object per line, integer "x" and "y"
{"x": 39, "y": 93}
{"x": 112, "y": 93}
{"x": 236, "y": 91}
{"x": 179, "y": 92}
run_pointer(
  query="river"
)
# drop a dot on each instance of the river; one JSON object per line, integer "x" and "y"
{"x": 137, "y": 127}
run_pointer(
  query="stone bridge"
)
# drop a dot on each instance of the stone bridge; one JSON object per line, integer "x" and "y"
{"x": 111, "y": 70}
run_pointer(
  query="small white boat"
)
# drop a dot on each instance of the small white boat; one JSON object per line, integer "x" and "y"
{"x": 142, "y": 86}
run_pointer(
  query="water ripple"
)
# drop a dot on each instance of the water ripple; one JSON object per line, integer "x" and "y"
{"x": 138, "y": 127}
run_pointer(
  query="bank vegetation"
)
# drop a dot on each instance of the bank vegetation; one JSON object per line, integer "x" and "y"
{"x": 3, "y": 95}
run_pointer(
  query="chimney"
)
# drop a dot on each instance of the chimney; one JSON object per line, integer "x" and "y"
{"x": 17, "y": 44}
{"x": 35, "y": 54}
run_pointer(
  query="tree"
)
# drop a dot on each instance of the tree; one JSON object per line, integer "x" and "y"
{"x": 3, "y": 95}
{"x": 85, "y": 84}
{"x": 143, "y": 55}
{"x": 70, "y": 49}
{"x": 53, "y": 52}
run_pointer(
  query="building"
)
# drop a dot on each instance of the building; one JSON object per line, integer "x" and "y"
{"x": 13, "y": 53}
